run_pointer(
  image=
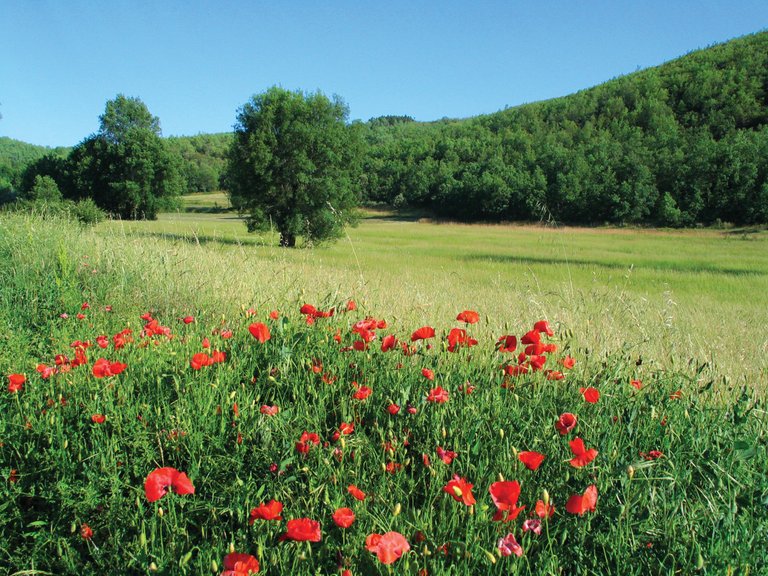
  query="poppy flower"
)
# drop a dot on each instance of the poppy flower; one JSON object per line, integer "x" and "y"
{"x": 428, "y": 374}
{"x": 269, "y": 511}
{"x": 457, "y": 338}
{"x": 239, "y": 564}
{"x": 446, "y": 456}
{"x": 269, "y": 410}
{"x": 532, "y": 460}
{"x": 591, "y": 395}
{"x": 388, "y": 343}
{"x": 302, "y": 530}
{"x": 468, "y": 316}
{"x": 393, "y": 409}
{"x": 508, "y": 546}
{"x": 582, "y": 456}
{"x": 217, "y": 356}
{"x": 86, "y": 532}
{"x": 356, "y": 492}
{"x": 460, "y": 490}
{"x": 543, "y": 327}
{"x": 438, "y": 395}
{"x": 532, "y": 337}
{"x": 274, "y": 314}
{"x": 568, "y": 362}
{"x": 188, "y": 319}
{"x": 636, "y": 384}
{"x": 582, "y": 503}
{"x": 566, "y": 423}
{"x": 103, "y": 368}
{"x": 504, "y": 496}
{"x": 532, "y": 525}
{"x": 98, "y": 418}
{"x": 554, "y": 375}
{"x": 388, "y": 547}
{"x": 259, "y": 331}
{"x": 423, "y": 333}
{"x": 199, "y": 360}
{"x": 102, "y": 341}
{"x": 506, "y": 344}
{"x": 16, "y": 382}
{"x": 158, "y": 481}
{"x": 543, "y": 510}
{"x": 362, "y": 393}
{"x": 343, "y": 517}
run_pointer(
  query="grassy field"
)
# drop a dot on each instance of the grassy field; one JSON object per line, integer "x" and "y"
{"x": 669, "y": 296}
{"x": 170, "y": 400}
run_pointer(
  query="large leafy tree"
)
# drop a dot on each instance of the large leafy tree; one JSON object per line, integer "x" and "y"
{"x": 125, "y": 167}
{"x": 295, "y": 165}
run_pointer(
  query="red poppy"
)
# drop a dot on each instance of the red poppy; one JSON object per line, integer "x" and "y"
{"x": 239, "y": 564}
{"x": 260, "y": 331}
{"x": 446, "y": 456}
{"x": 269, "y": 410}
{"x": 504, "y": 496}
{"x": 508, "y": 546}
{"x": 362, "y": 393}
{"x": 580, "y": 504}
{"x": 98, "y": 418}
{"x": 188, "y": 319}
{"x": 102, "y": 341}
{"x": 582, "y": 456}
{"x": 103, "y": 368}
{"x": 343, "y": 517}
{"x": 302, "y": 530}
{"x": 158, "y": 481}
{"x": 388, "y": 343}
{"x": 457, "y": 338}
{"x": 428, "y": 374}
{"x": 199, "y": 360}
{"x": 218, "y": 356}
{"x": 388, "y": 547}
{"x": 532, "y": 525}
{"x": 274, "y": 314}
{"x": 532, "y": 460}
{"x": 226, "y": 334}
{"x": 423, "y": 333}
{"x": 566, "y": 423}
{"x": 438, "y": 395}
{"x": 544, "y": 510}
{"x": 460, "y": 490}
{"x": 269, "y": 511}
{"x": 506, "y": 344}
{"x": 393, "y": 409}
{"x": 86, "y": 532}
{"x": 543, "y": 326}
{"x": 468, "y": 316}
{"x": 591, "y": 395}
{"x": 636, "y": 384}
{"x": 356, "y": 492}
{"x": 554, "y": 374}
{"x": 16, "y": 382}
{"x": 46, "y": 371}
{"x": 532, "y": 337}
{"x": 568, "y": 362}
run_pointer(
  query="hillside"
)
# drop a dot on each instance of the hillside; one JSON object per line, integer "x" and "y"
{"x": 678, "y": 144}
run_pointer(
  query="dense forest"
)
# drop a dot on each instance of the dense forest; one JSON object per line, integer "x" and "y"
{"x": 680, "y": 144}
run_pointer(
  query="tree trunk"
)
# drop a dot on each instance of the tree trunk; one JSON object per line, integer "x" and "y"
{"x": 287, "y": 240}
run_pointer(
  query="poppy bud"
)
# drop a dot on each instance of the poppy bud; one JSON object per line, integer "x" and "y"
{"x": 407, "y": 462}
{"x": 231, "y": 547}
{"x": 66, "y": 443}
{"x": 186, "y": 558}
{"x": 152, "y": 567}
{"x": 545, "y": 497}
{"x": 630, "y": 472}
{"x": 501, "y": 477}
{"x": 160, "y": 512}
{"x": 232, "y": 394}
{"x": 383, "y": 467}
{"x": 214, "y": 567}
{"x": 73, "y": 527}
{"x": 699, "y": 561}
{"x": 396, "y": 511}
{"x": 143, "y": 538}
{"x": 491, "y": 557}
{"x": 444, "y": 432}
{"x": 501, "y": 433}
{"x": 457, "y": 491}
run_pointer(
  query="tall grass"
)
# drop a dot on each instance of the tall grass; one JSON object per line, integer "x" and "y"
{"x": 701, "y": 505}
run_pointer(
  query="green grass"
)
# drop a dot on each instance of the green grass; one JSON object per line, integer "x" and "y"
{"x": 702, "y": 506}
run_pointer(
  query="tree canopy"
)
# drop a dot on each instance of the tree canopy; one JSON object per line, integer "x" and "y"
{"x": 125, "y": 167}
{"x": 295, "y": 164}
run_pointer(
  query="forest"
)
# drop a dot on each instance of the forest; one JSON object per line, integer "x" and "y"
{"x": 681, "y": 144}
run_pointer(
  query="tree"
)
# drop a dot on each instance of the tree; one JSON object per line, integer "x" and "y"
{"x": 125, "y": 167}
{"x": 295, "y": 164}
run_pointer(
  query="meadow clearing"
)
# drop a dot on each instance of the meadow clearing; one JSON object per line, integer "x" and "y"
{"x": 179, "y": 391}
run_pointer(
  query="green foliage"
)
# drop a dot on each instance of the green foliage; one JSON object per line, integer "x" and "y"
{"x": 44, "y": 189}
{"x": 203, "y": 160}
{"x": 294, "y": 165}
{"x": 680, "y": 144}
{"x": 126, "y": 168}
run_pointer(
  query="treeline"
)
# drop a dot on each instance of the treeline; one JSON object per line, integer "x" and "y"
{"x": 676, "y": 145}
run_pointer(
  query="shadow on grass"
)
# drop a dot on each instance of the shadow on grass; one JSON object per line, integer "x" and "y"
{"x": 204, "y": 239}
{"x": 690, "y": 268}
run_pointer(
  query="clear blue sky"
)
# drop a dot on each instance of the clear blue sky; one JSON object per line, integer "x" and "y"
{"x": 194, "y": 63}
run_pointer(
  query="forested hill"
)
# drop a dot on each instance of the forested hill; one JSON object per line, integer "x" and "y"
{"x": 679, "y": 144}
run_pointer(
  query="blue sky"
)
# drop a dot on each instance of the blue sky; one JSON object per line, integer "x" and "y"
{"x": 195, "y": 63}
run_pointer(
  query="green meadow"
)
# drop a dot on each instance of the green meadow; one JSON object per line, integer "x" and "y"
{"x": 169, "y": 399}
